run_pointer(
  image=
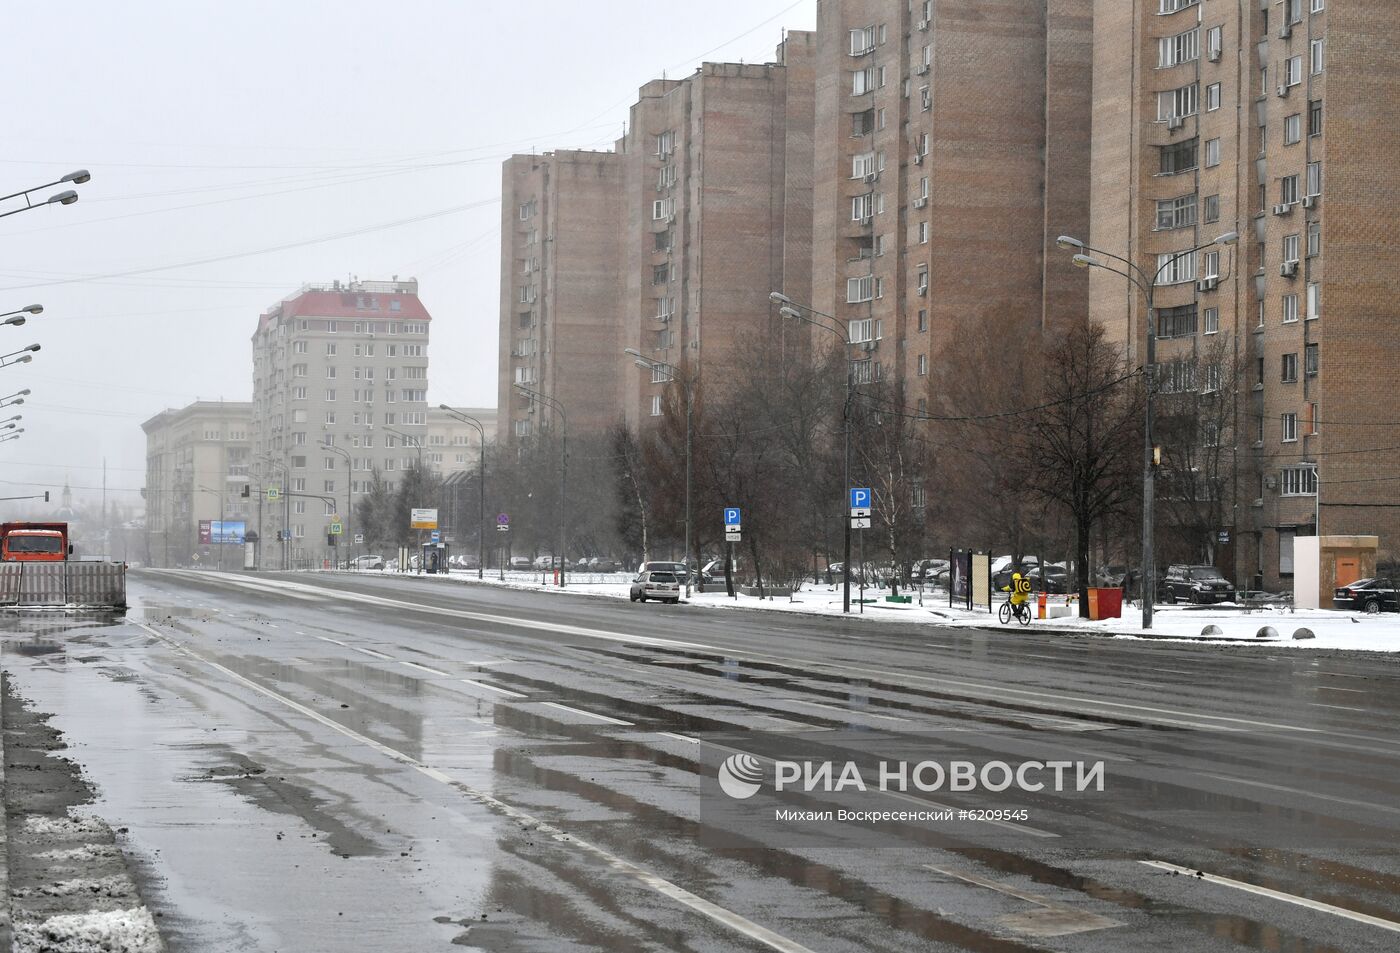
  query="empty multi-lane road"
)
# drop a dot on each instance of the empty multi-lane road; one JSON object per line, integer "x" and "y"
{"x": 332, "y": 762}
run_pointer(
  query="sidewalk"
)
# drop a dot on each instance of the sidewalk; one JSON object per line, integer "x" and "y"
{"x": 1332, "y": 630}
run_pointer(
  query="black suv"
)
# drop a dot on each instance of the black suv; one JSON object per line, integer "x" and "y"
{"x": 1196, "y": 584}
{"x": 1368, "y": 595}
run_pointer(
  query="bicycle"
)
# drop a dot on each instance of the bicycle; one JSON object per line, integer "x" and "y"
{"x": 1022, "y": 612}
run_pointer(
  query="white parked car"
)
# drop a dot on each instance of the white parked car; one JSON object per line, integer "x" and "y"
{"x": 367, "y": 562}
{"x": 663, "y": 586}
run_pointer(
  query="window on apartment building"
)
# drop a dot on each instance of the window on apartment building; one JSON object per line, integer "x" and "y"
{"x": 862, "y": 206}
{"x": 1314, "y": 301}
{"x": 1315, "y": 118}
{"x": 863, "y": 123}
{"x": 862, "y": 41}
{"x": 1212, "y": 153}
{"x": 1178, "y": 157}
{"x": 1263, "y": 81}
{"x": 1210, "y": 321}
{"x": 1182, "y": 48}
{"x": 880, "y": 118}
{"x": 1290, "y": 248}
{"x": 661, "y": 241}
{"x": 1290, "y": 309}
{"x": 1314, "y": 178}
{"x": 864, "y": 330}
{"x": 1259, "y": 325}
{"x": 923, "y": 187}
{"x": 1176, "y": 377}
{"x": 660, "y": 209}
{"x": 1293, "y": 71}
{"x": 1210, "y": 264}
{"x": 660, "y": 274}
{"x": 299, "y": 439}
{"x": 1314, "y": 418}
{"x": 923, "y": 365}
{"x": 923, "y": 319}
{"x": 1212, "y": 97}
{"x": 1288, "y": 372}
{"x": 862, "y": 165}
{"x": 926, "y": 98}
{"x": 1310, "y": 360}
{"x": 1173, "y": 269}
{"x": 1317, "y": 53}
{"x": 332, "y": 327}
{"x": 1298, "y": 481}
{"x": 1179, "y": 212}
{"x": 860, "y": 289}
{"x": 298, "y": 463}
{"x": 863, "y": 81}
{"x": 1215, "y": 42}
{"x": 1177, "y": 103}
{"x": 330, "y": 348}
{"x": 656, "y": 405}
{"x": 330, "y": 372}
{"x": 1292, "y": 129}
{"x": 1210, "y": 208}
{"x": 330, "y": 394}
{"x": 1176, "y": 322}
{"x": 666, "y": 142}
{"x": 923, "y": 233}
{"x": 298, "y": 347}
{"x": 1171, "y": 6}
{"x": 1289, "y": 424}
{"x": 922, "y": 280}
{"x": 1288, "y": 190}
{"x": 923, "y": 405}
{"x": 298, "y": 370}
{"x": 1314, "y": 239}
{"x": 298, "y": 393}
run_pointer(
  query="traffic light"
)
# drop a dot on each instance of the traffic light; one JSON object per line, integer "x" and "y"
{"x": 246, "y": 489}
{"x": 330, "y": 540}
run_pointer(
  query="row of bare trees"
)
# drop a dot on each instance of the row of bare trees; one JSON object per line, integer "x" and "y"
{"x": 1020, "y": 443}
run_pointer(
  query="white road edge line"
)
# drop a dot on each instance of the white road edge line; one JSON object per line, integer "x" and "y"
{"x": 493, "y": 688}
{"x": 713, "y": 911}
{"x": 672, "y": 734}
{"x": 1276, "y": 895}
{"x": 372, "y": 653}
{"x": 590, "y": 714}
{"x": 325, "y": 639}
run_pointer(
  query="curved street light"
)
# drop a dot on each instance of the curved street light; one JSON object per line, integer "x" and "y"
{"x": 1084, "y": 258}
{"x": 66, "y": 197}
{"x": 481, "y": 486}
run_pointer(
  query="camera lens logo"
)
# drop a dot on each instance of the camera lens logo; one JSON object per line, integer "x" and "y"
{"x": 740, "y": 776}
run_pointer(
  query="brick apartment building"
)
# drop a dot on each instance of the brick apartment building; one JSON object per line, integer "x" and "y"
{"x": 1278, "y": 121}
{"x": 951, "y": 148}
{"x": 197, "y": 464}
{"x": 669, "y": 244}
{"x": 343, "y": 364}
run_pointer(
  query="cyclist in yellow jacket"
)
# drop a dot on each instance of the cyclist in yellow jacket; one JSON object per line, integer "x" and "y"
{"x": 1020, "y": 589}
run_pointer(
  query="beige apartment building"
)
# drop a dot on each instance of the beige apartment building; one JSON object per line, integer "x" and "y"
{"x": 340, "y": 381}
{"x": 197, "y": 466}
{"x": 1278, "y": 121}
{"x": 451, "y": 446}
{"x": 669, "y": 244}
{"x": 951, "y": 148}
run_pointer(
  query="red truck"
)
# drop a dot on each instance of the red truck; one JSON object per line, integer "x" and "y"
{"x": 34, "y": 542}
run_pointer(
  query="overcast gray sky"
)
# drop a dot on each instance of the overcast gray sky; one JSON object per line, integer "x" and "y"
{"x": 230, "y": 144}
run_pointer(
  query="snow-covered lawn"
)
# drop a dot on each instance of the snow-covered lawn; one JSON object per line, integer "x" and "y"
{"x": 1332, "y": 630}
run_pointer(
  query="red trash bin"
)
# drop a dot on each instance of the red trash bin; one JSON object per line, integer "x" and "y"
{"x": 1110, "y": 603}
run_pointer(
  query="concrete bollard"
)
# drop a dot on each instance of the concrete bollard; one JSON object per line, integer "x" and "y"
{"x": 1267, "y": 632}
{"x": 1211, "y": 630}
{"x": 1303, "y": 634}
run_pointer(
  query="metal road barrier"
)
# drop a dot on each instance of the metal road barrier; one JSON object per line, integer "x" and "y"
{"x": 77, "y": 584}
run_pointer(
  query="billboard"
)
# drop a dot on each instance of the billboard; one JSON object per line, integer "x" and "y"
{"x": 222, "y": 531}
{"x": 423, "y": 519}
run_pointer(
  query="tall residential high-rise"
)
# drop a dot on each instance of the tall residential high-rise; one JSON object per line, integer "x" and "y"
{"x": 340, "y": 380}
{"x": 669, "y": 245}
{"x": 950, "y": 150}
{"x": 1276, "y": 121}
{"x": 197, "y": 464}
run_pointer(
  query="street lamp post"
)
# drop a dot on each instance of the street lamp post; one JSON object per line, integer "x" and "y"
{"x": 286, "y": 531}
{"x": 481, "y": 487}
{"x": 349, "y": 477}
{"x": 791, "y": 309}
{"x": 1148, "y": 285}
{"x": 66, "y": 197}
{"x": 417, "y": 442}
{"x": 23, "y": 356}
{"x": 670, "y": 371}
{"x": 563, "y": 467}
{"x": 14, "y": 399}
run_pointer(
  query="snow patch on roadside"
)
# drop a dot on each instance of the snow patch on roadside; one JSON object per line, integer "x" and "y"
{"x": 43, "y": 825}
{"x": 109, "y": 931}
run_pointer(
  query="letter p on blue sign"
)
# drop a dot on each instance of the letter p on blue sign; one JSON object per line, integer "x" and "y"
{"x": 731, "y": 516}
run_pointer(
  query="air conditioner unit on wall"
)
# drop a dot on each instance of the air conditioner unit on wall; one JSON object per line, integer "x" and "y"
{"x": 1214, "y": 56}
{"x": 920, "y": 202}
{"x": 1288, "y": 269}
{"x": 1310, "y": 200}
{"x": 1283, "y": 90}
{"x": 1208, "y": 284}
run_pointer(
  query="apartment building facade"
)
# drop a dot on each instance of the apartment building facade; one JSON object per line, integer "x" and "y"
{"x": 950, "y": 150}
{"x": 1276, "y": 121}
{"x": 451, "y": 446}
{"x": 340, "y": 379}
{"x": 669, "y": 245}
{"x": 197, "y": 465}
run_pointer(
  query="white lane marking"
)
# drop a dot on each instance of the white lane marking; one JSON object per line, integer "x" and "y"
{"x": 1338, "y": 688}
{"x": 1276, "y": 895}
{"x": 713, "y": 911}
{"x": 493, "y": 688}
{"x": 425, "y": 668}
{"x": 370, "y": 652}
{"x": 844, "y": 711}
{"x": 589, "y": 714}
{"x": 324, "y": 639}
{"x": 1335, "y": 707}
{"x": 1321, "y": 797}
{"x": 991, "y": 692}
{"x": 1067, "y": 919}
{"x": 671, "y": 734}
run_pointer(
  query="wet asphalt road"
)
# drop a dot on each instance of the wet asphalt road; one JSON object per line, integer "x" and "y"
{"x": 340, "y": 763}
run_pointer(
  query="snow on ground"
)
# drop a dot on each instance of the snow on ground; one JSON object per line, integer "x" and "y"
{"x": 1332, "y": 629}
{"x": 109, "y": 931}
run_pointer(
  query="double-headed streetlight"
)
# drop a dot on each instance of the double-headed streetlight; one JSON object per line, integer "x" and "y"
{"x": 17, "y": 318}
{"x": 664, "y": 373}
{"x": 481, "y": 486}
{"x": 417, "y": 443}
{"x": 23, "y": 356}
{"x": 66, "y": 197}
{"x": 12, "y": 436}
{"x": 558, "y": 408}
{"x": 1084, "y": 258}
{"x": 16, "y": 398}
{"x": 349, "y": 478}
{"x": 808, "y": 315}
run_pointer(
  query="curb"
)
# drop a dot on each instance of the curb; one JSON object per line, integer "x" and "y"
{"x": 6, "y": 919}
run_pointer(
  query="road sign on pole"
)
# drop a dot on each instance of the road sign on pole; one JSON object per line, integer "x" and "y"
{"x": 359, "y": 538}
{"x": 860, "y": 501}
{"x": 423, "y": 518}
{"x": 503, "y": 522}
{"x": 860, "y": 522}
{"x": 435, "y": 536}
{"x": 273, "y": 494}
{"x": 732, "y": 516}
{"x": 731, "y": 535}
{"x": 337, "y": 528}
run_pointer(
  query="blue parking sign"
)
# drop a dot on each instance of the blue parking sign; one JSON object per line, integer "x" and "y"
{"x": 731, "y": 516}
{"x": 860, "y": 497}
